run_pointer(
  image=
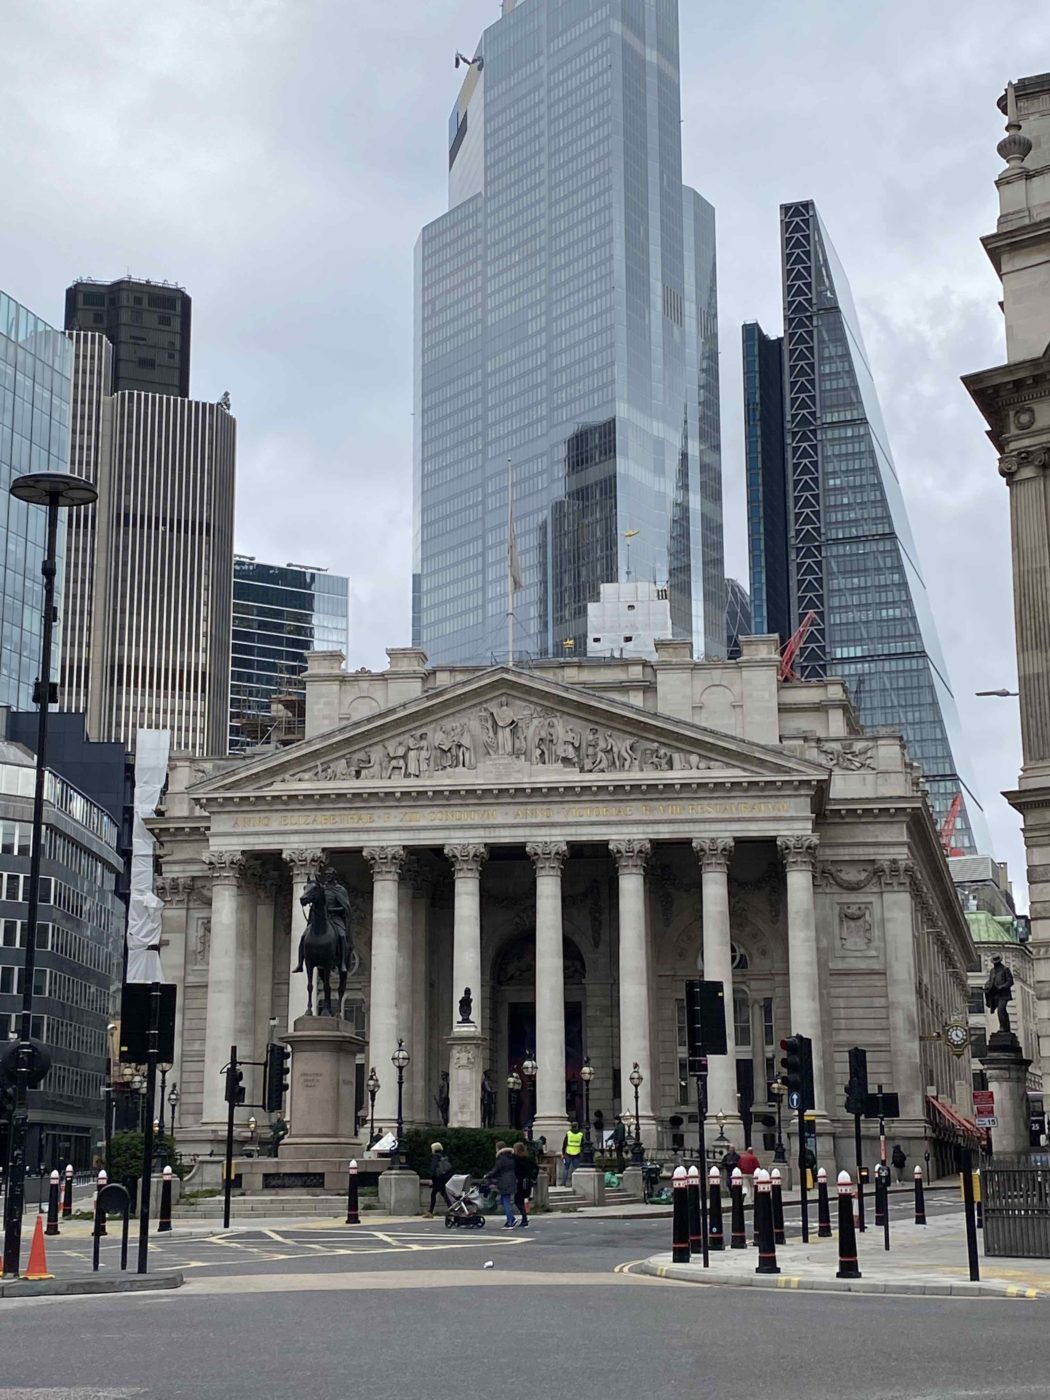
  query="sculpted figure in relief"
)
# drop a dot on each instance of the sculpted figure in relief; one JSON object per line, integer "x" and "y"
{"x": 505, "y": 721}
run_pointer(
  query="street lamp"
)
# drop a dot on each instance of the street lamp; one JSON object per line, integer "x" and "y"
{"x": 513, "y": 1102}
{"x": 587, "y": 1150}
{"x": 778, "y": 1089}
{"x": 529, "y": 1067}
{"x": 720, "y": 1119}
{"x": 253, "y": 1124}
{"x": 1002, "y": 693}
{"x": 373, "y": 1089}
{"x": 173, "y": 1103}
{"x": 53, "y": 490}
{"x": 165, "y": 1070}
{"x": 637, "y": 1151}
{"x": 399, "y": 1059}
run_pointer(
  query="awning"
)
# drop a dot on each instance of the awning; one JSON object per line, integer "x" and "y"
{"x": 949, "y": 1123}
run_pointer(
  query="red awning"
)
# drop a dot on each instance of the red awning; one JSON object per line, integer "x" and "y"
{"x": 952, "y": 1124}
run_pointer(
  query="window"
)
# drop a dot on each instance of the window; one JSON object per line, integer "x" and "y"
{"x": 976, "y": 1001}
{"x": 136, "y": 301}
{"x": 97, "y": 318}
{"x": 682, "y": 1040}
{"x": 147, "y": 362}
{"x": 741, "y": 1018}
{"x": 163, "y": 320}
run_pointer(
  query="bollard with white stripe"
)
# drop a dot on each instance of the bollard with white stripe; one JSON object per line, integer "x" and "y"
{"x": 680, "y": 1216}
{"x": 164, "y": 1218}
{"x": 696, "y": 1235}
{"x": 777, "y": 1197}
{"x": 100, "y": 1219}
{"x": 767, "y": 1250}
{"x": 823, "y": 1206}
{"x": 848, "y": 1265}
{"x": 715, "y": 1235}
{"x": 737, "y": 1226}
{"x": 353, "y": 1213}
{"x": 920, "y": 1198}
{"x": 52, "y": 1204}
{"x": 67, "y": 1196}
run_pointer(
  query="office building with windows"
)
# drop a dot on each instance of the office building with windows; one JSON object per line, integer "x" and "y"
{"x": 566, "y": 342}
{"x": 738, "y": 617}
{"x": 281, "y": 612}
{"x": 36, "y": 366}
{"x": 841, "y": 525}
{"x": 147, "y": 325}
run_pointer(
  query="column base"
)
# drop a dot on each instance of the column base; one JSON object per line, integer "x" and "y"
{"x": 399, "y": 1192}
{"x": 466, "y": 1065}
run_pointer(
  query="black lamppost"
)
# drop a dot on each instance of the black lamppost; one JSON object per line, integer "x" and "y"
{"x": 373, "y": 1089}
{"x": 164, "y": 1071}
{"x": 587, "y": 1149}
{"x": 54, "y": 490}
{"x": 721, "y": 1139}
{"x": 399, "y": 1059}
{"x": 637, "y": 1151}
{"x": 513, "y": 1100}
{"x": 778, "y": 1089}
{"x": 173, "y": 1103}
{"x": 528, "y": 1069}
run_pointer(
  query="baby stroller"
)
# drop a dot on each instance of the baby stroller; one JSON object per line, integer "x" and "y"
{"x": 466, "y": 1204}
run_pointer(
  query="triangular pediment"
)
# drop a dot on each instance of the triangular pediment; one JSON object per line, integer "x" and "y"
{"x": 505, "y": 727}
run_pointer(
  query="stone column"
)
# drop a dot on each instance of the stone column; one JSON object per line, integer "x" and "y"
{"x": 303, "y": 864}
{"x": 804, "y": 973}
{"x": 902, "y": 1000}
{"x": 384, "y": 1024}
{"x": 758, "y": 1051}
{"x": 227, "y": 870}
{"x": 406, "y": 1014}
{"x": 635, "y": 1046}
{"x": 551, "y": 1121}
{"x": 422, "y": 882}
{"x": 265, "y": 904}
{"x": 467, "y": 1043}
{"x": 1027, "y": 475}
{"x": 714, "y": 854}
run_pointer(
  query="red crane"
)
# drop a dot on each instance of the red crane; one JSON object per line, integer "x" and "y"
{"x": 948, "y": 828}
{"x": 791, "y": 649}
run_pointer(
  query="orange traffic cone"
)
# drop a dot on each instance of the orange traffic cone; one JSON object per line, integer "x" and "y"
{"x": 37, "y": 1257}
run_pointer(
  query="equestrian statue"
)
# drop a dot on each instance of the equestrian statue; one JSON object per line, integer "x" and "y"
{"x": 325, "y": 946}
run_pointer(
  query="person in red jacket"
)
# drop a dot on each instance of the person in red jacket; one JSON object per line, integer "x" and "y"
{"x": 748, "y": 1164}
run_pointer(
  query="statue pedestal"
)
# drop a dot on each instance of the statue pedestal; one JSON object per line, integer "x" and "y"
{"x": 589, "y": 1184}
{"x": 466, "y": 1066}
{"x": 323, "y": 1085}
{"x": 1007, "y": 1070}
{"x": 399, "y": 1192}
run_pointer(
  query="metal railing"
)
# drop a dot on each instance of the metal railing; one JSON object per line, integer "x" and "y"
{"x": 1016, "y": 1202}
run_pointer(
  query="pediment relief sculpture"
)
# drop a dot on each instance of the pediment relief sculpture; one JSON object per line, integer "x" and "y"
{"x": 847, "y": 755}
{"x": 496, "y": 736}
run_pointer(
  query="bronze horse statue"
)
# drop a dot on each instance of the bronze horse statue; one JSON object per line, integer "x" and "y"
{"x": 325, "y": 946}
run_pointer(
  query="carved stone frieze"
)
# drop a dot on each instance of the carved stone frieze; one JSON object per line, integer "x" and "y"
{"x": 882, "y": 874}
{"x": 856, "y": 931}
{"x": 847, "y": 755}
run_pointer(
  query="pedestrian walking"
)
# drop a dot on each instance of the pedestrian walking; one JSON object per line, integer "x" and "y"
{"x": 730, "y": 1160}
{"x": 440, "y": 1171}
{"x": 503, "y": 1178}
{"x": 749, "y": 1164}
{"x": 619, "y": 1142}
{"x": 526, "y": 1171}
{"x": 571, "y": 1147}
{"x": 900, "y": 1161}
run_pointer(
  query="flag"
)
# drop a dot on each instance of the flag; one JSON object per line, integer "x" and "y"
{"x": 513, "y": 558}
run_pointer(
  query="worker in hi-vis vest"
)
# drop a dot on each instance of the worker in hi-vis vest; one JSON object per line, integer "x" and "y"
{"x": 572, "y": 1146}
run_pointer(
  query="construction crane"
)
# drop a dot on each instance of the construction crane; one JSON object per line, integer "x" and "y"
{"x": 791, "y": 649}
{"x": 948, "y": 827}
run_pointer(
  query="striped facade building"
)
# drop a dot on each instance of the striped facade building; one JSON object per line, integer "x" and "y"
{"x": 147, "y": 609}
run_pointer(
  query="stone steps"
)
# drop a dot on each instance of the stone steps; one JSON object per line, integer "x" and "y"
{"x": 279, "y": 1203}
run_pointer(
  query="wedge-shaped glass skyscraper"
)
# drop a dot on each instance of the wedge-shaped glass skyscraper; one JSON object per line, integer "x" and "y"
{"x": 566, "y": 340}
{"x": 828, "y": 532}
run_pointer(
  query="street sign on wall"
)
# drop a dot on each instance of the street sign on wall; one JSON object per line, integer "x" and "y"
{"x": 983, "y": 1101}
{"x": 986, "y": 1120}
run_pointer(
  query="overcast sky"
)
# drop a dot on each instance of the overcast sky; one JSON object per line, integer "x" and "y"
{"x": 278, "y": 157}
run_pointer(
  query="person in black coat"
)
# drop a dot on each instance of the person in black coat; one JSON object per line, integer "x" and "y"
{"x": 526, "y": 1171}
{"x": 440, "y": 1171}
{"x": 503, "y": 1177}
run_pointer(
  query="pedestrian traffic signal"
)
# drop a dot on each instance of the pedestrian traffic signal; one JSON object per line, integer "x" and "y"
{"x": 234, "y": 1083}
{"x": 797, "y": 1066}
{"x": 277, "y": 1061}
{"x": 857, "y": 1088}
{"x": 705, "y": 1022}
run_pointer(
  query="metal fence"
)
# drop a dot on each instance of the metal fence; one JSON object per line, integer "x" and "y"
{"x": 1016, "y": 1198}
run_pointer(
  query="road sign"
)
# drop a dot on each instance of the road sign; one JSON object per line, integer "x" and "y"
{"x": 794, "y": 1099}
{"x": 983, "y": 1101}
{"x": 986, "y": 1120}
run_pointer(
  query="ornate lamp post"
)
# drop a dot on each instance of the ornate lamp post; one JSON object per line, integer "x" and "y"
{"x": 720, "y": 1119}
{"x": 778, "y": 1089}
{"x": 173, "y": 1103}
{"x": 587, "y": 1150}
{"x": 53, "y": 490}
{"x": 637, "y": 1151}
{"x": 165, "y": 1070}
{"x": 400, "y": 1060}
{"x": 528, "y": 1069}
{"x": 373, "y": 1089}
{"x": 513, "y": 1101}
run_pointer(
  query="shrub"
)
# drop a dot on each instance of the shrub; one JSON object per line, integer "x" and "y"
{"x": 127, "y": 1152}
{"x": 470, "y": 1150}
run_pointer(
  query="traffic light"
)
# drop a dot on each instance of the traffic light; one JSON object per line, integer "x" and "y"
{"x": 705, "y": 1022}
{"x": 234, "y": 1083}
{"x": 857, "y": 1088}
{"x": 277, "y": 1061}
{"x": 797, "y": 1064}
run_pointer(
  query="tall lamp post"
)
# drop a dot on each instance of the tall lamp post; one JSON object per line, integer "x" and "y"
{"x": 54, "y": 490}
{"x": 587, "y": 1150}
{"x": 400, "y": 1059}
{"x": 373, "y": 1089}
{"x": 165, "y": 1070}
{"x": 529, "y": 1068}
{"x": 513, "y": 1099}
{"x": 637, "y": 1151}
{"x": 778, "y": 1089}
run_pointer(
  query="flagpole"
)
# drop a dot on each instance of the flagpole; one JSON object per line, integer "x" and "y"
{"x": 510, "y": 568}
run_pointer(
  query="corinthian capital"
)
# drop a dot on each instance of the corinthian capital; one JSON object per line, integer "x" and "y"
{"x": 467, "y": 859}
{"x": 630, "y": 856}
{"x": 303, "y": 862}
{"x": 714, "y": 852}
{"x": 386, "y": 861}
{"x": 226, "y": 867}
{"x": 798, "y": 852}
{"x": 547, "y": 856}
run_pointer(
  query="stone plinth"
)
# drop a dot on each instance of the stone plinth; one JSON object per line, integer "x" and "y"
{"x": 589, "y": 1184}
{"x": 465, "y": 1068}
{"x": 1007, "y": 1070}
{"x": 324, "y": 1078}
{"x": 399, "y": 1193}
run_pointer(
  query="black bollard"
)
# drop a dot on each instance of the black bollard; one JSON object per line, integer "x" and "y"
{"x": 680, "y": 1217}
{"x": 696, "y": 1232}
{"x": 737, "y": 1226}
{"x": 848, "y": 1266}
{"x": 100, "y": 1219}
{"x": 164, "y": 1218}
{"x": 777, "y": 1199}
{"x": 67, "y": 1195}
{"x": 715, "y": 1237}
{"x": 767, "y": 1249}
{"x": 52, "y": 1205}
{"x": 880, "y": 1198}
{"x": 977, "y": 1199}
{"x": 353, "y": 1213}
{"x": 823, "y": 1207}
{"x": 920, "y": 1198}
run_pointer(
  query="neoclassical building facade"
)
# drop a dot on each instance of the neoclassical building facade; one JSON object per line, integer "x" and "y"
{"x": 572, "y": 842}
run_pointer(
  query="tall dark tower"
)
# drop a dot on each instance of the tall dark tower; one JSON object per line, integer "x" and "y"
{"x": 148, "y": 325}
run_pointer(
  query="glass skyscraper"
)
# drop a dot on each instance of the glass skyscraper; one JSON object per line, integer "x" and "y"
{"x": 36, "y": 368}
{"x": 566, "y": 340}
{"x": 280, "y": 612}
{"x": 837, "y": 528}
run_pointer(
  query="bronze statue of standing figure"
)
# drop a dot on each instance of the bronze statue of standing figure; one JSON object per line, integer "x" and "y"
{"x": 998, "y": 992}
